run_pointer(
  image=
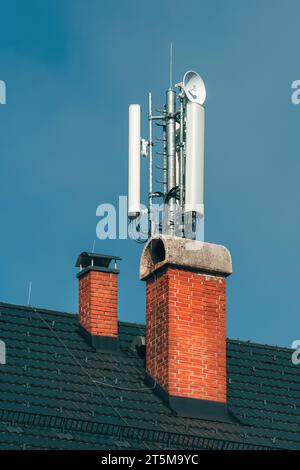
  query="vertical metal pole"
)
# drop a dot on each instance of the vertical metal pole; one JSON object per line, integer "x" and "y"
{"x": 150, "y": 144}
{"x": 171, "y": 142}
{"x": 171, "y": 152}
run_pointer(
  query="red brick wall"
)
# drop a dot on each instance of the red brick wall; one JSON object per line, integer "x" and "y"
{"x": 186, "y": 333}
{"x": 98, "y": 303}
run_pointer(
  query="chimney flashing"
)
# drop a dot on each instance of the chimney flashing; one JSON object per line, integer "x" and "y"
{"x": 191, "y": 407}
{"x": 100, "y": 343}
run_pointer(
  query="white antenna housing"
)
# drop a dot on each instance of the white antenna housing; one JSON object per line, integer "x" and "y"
{"x": 134, "y": 161}
{"x": 194, "y": 178}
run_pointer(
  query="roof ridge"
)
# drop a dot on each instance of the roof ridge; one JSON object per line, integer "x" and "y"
{"x": 258, "y": 345}
{"x": 132, "y": 324}
{"x": 30, "y": 308}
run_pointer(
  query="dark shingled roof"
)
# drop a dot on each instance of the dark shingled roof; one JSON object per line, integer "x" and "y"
{"x": 56, "y": 392}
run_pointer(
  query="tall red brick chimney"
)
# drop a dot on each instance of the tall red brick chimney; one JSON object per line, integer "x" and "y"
{"x": 98, "y": 299}
{"x": 186, "y": 324}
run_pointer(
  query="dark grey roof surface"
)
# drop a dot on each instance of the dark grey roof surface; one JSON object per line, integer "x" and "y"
{"x": 56, "y": 392}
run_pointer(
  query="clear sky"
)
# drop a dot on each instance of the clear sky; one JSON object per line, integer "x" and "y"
{"x": 71, "y": 69}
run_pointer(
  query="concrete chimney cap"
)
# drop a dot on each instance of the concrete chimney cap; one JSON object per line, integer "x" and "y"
{"x": 182, "y": 252}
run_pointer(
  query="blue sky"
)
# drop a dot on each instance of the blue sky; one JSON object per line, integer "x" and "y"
{"x": 71, "y": 69}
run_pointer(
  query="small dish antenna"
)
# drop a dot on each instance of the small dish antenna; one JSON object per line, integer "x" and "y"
{"x": 193, "y": 87}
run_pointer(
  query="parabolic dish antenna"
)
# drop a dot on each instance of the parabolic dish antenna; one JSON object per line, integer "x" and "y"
{"x": 194, "y": 87}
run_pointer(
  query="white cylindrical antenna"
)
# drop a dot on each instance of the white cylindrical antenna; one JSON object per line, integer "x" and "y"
{"x": 194, "y": 182}
{"x": 150, "y": 144}
{"x": 134, "y": 161}
{"x": 177, "y": 137}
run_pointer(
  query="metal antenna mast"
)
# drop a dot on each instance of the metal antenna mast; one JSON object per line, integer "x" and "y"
{"x": 171, "y": 146}
{"x": 182, "y": 157}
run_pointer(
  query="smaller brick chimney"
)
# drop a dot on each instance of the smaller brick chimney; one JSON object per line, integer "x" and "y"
{"x": 98, "y": 299}
{"x": 186, "y": 324}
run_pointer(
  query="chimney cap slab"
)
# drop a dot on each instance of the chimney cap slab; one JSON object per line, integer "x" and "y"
{"x": 87, "y": 259}
{"x": 182, "y": 252}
